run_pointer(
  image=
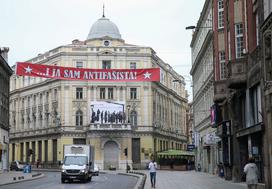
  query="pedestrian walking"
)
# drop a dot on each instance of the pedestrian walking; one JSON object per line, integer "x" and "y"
{"x": 38, "y": 163}
{"x": 251, "y": 172}
{"x": 152, "y": 170}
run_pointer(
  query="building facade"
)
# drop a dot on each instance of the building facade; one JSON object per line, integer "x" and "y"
{"x": 5, "y": 73}
{"x": 238, "y": 85}
{"x": 266, "y": 66}
{"x": 48, "y": 113}
{"x": 203, "y": 91}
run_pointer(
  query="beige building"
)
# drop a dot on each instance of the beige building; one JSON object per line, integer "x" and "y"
{"x": 48, "y": 113}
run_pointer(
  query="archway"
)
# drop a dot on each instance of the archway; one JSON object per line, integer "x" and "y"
{"x": 111, "y": 155}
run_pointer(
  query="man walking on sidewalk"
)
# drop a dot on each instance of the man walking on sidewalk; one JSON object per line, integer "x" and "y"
{"x": 152, "y": 170}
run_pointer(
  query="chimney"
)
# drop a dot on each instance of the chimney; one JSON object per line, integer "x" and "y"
{"x": 4, "y": 53}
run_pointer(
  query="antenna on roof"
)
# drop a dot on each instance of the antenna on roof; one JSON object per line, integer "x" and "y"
{"x": 103, "y": 11}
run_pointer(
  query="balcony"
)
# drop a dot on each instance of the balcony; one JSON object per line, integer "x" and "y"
{"x": 220, "y": 91}
{"x": 111, "y": 127}
{"x": 254, "y": 67}
{"x": 237, "y": 74}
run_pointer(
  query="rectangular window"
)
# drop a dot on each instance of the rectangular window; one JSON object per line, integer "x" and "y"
{"x": 28, "y": 101}
{"x": 222, "y": 61}
{"x": 79, "y": 119}
{"x": 34, "y": 100}
{"x": 79, "y": 64}
{"x": 41, "y": 98}
{"x": 79, "y": 93}
{"x": 55, "y": 94}
{"x": 47, "y": 97}
{"x": 110, "y": 93}
{"x": 106, "y": 64}
{"x": 102, "y": 93}
{"x": 239, "y": 45}
{"x": 255, "y": 103}
{"x": 133, "y": 65}
{"x": 220, "y": 14}
{"x": 133, "y": 93}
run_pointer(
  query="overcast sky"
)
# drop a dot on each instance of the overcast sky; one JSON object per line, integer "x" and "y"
{"x": 30, "y": 27}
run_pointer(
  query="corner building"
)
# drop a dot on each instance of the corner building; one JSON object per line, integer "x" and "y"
{"x": 49, "y": 113}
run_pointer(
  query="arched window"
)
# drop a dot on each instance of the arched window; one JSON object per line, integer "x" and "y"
{"x": 133, "y": 117}
{"x": 79, "y": 118}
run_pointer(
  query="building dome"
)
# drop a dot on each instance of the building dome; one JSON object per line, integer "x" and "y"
{"x": 104, "y": 27}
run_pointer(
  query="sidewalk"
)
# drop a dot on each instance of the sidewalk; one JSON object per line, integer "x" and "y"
{"x": 18, "y": 176}
{"x": 190, "y": 180}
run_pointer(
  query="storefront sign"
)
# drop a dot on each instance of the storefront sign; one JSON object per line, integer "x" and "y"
{"x": 69, "y": 73}
{"x": 190, "y": 147}
{"x": 211, "y": 138}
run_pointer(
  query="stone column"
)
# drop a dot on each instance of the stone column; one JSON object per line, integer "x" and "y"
{"x": 50, "y": 150}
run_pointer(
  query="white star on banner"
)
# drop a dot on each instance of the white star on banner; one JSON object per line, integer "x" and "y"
{"x": 147, "y": 75}
{"x": 28, "y": 69}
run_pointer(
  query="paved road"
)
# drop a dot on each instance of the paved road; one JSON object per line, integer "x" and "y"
{"x": 52, "y": 181}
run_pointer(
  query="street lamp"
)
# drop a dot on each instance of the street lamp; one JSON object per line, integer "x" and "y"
{"x": 195, "y": 27}
{"x": 128, "y": 107}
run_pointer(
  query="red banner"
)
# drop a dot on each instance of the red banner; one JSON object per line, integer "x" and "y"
{"x": 69, "y": 73}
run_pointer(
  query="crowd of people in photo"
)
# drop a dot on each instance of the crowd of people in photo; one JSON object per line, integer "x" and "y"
{"x": 108, "y": 117}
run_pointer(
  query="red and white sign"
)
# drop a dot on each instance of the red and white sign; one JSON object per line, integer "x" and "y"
{"x": 69, "y": 73}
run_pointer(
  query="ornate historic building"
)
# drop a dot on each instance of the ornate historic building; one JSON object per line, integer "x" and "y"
{"x": 48, "y": 113}
{"x": 5, "y": 73}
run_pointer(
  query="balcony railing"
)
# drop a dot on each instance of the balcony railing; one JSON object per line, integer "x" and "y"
{"x": 237, "y": 74}
{"x": 110, "y": 127}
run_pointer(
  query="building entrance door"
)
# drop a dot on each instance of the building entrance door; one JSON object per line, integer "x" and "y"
{"x": 111, "y": 155}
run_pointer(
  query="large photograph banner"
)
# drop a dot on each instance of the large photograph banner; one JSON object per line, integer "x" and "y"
{"x": 69, "y": 73}
{"x": 107, "y": 112}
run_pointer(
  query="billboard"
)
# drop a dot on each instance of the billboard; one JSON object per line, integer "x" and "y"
{"x": 107, "y": 112}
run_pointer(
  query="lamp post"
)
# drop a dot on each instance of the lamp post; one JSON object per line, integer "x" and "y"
{"x": 128, "y": 108}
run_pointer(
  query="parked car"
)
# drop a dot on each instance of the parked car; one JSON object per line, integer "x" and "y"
{"x": 17, "y": 165}
{"x": 96, "y": 170}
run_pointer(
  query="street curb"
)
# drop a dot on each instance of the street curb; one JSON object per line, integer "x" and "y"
{"x": 141, "y": 178}
{"x": 21, "y": 179}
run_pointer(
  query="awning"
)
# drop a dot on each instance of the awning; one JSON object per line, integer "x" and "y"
{"x": 176, "y": 153}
